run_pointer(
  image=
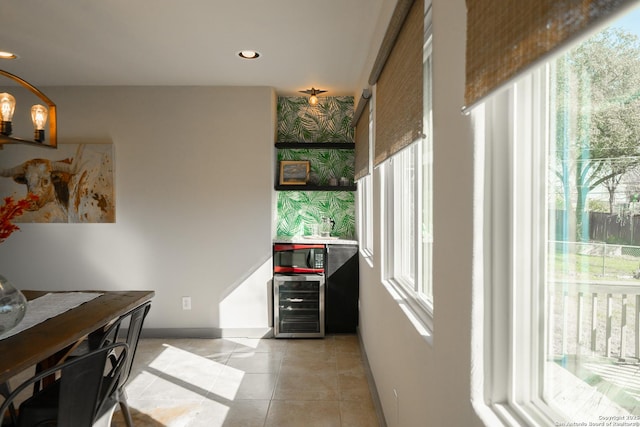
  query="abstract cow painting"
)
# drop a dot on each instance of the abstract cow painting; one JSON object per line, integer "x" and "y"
{"x": 73, "y": 183}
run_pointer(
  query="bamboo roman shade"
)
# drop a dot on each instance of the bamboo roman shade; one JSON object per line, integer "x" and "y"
{"x": 399, "y": 85}
{"x": 505, "y": 37}
{"x": 362, "y": 143}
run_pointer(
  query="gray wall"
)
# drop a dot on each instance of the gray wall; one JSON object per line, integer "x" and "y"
{"x": 194, "y": 197}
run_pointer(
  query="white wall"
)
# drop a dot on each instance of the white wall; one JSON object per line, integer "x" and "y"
{"x": 431, "y": 380}
{"x": 194, "y": 202}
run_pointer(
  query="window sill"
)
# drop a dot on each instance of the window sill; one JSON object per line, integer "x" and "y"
{"x": 421, "y": 320}
{"x": 366, "y": 255}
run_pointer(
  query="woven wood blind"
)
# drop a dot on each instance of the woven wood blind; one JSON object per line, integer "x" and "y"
{"x": 362, "y": 143}
{"x": 399, "y": 89}
{"x": 505, "y": 37}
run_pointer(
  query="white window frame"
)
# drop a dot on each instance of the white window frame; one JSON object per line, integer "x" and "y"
{"x": 403, "y": 272}
{"x": 402, "y": 284}
{"x": 365, "y": 209}
{"x": 365, "y": 197}
{"x": 425, "y": 196}
{"x": 512, "y": 131}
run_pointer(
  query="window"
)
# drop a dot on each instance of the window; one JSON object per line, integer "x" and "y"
{"x": 365, "y": 199}
{"x": 562, "y": 295}
{"x": 426, "y": 176}
{"x": 408, "y": 213}
{"x": 401, "y": 217}
{"x": 365, "y": 221}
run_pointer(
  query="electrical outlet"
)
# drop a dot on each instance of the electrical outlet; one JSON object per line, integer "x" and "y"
{"x": 186, "y": 303}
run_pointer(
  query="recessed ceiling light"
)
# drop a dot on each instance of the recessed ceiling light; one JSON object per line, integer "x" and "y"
{"x": 7, "y": 55}
{"x": 248, "y": 54}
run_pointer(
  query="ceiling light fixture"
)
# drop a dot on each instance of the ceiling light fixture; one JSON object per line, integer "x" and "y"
{"x": 39, "y": 115}
{"x": 313, "y": 99}
{"x": 7, "y": 55}
{"x": 248, "y": 54}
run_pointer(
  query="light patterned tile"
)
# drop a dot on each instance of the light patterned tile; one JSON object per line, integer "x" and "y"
{"x": 244, "y": 387}
{"x": 174, "y": 389}
{"x": 308, "y": 365}
{"x": 243, "y": 382}
{"x": 300, "y": 413}
{"x": 257, "y": 386}
{"x": 307, "y": 387}
{"x": 138, "y": 383}
{"x": 347, "y": 345}
{"x": 150, "y": 413}
{"x": 358, "y": 413}
{"x": 348, "y": 363}
{"x": 256, "y": 345}
{"x": 353, "y": 386}
{"x": 311, "y": 347}
{"x": 244, "y": 413}
{"x": 256, "y": 363}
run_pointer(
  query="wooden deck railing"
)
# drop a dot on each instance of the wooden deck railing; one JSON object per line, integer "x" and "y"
{"x": 604, "y": 319}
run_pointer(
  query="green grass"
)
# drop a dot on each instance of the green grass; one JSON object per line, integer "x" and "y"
{"x": 595, "y": 267}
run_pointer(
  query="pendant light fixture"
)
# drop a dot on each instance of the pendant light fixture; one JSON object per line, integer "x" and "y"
{"x": 39, "y": 115}
{"x": 313, "y": 99}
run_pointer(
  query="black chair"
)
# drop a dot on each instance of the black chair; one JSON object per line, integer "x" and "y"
{"x": 5, "y": 391}
{"x": 79, "y": 394}
{"x": 113, "y": 334}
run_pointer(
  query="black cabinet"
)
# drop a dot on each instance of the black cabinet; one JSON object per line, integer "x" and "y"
{"x": 342, "y": 291}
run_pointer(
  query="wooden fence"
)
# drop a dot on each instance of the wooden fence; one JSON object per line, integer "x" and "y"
{"x": 608, "y": 228}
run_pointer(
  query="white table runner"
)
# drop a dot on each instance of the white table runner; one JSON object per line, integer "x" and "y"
{"x": 48, "y": 306}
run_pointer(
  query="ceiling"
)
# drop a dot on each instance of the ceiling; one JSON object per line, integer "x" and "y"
{"x": 326, "y": 44}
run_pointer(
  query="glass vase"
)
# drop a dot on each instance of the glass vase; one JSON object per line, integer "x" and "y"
{"x": 13, "y": 305}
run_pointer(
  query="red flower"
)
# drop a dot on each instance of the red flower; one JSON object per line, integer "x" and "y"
{"x": 9, "y": 211}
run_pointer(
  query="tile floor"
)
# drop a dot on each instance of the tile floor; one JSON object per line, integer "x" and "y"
{"x": 249, "y": 382}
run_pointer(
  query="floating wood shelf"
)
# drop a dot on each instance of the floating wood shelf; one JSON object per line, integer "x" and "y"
{"x": 316, "y": 187}
{"x": 317, "y": 145}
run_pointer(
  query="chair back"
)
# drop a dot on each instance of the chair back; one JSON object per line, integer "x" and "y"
{"x": 133, "y": 336}
{"x": 82, "y": 389}
{"x": 113, "y": 334}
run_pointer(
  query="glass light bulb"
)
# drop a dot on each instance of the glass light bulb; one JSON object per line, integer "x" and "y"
{"x": 39, "y": 116}
{"x": 249, "y": 54}
{"x": 7, "y": 106}
{"x": 313, "y": 100}
{"x": 7, "y": 55}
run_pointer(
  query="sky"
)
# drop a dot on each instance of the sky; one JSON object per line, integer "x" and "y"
{"x": 629, "y": 22}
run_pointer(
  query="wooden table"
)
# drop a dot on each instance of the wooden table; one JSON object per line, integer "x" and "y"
{"x": 46, "y": 339}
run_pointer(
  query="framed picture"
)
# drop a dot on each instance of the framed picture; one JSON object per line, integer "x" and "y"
{"x": 294, "y": 172}
{"x": 75, "y": 183}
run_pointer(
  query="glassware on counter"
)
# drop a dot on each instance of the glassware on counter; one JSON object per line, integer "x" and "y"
{"x": 13, "y": 305}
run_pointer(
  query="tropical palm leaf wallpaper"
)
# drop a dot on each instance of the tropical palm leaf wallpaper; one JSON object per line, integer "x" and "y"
{"x": 299, "y": 210}
{"x": 329, "y": 121}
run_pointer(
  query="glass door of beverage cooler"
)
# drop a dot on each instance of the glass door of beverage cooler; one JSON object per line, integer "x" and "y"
{"x": 298, "y": 305}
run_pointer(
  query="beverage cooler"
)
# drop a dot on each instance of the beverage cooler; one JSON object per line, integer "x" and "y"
{"x": 298, "y": 305}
